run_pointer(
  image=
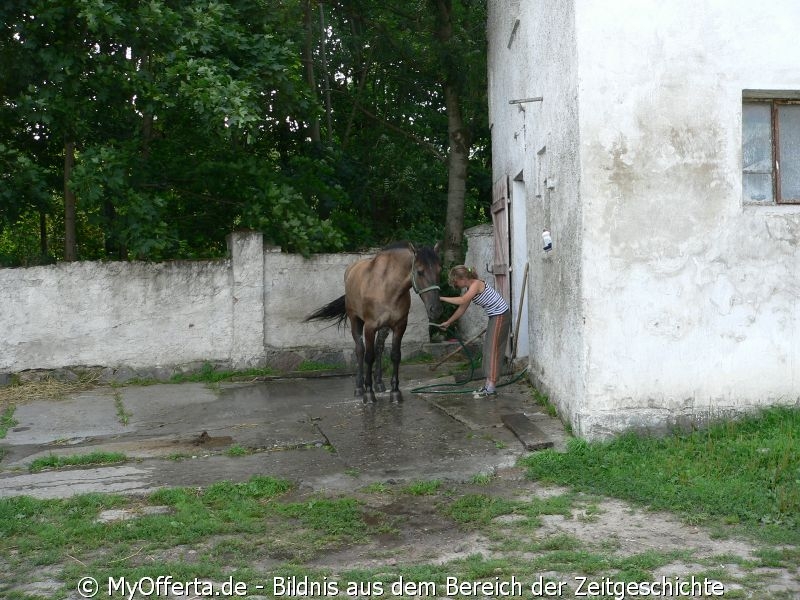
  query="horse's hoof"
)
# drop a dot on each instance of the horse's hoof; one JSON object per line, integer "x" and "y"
{"x": 396, "y": 396}
{"x": 369, "y": 397}
{"x": 380, "y": 387}
{"x": 359, "y": 392}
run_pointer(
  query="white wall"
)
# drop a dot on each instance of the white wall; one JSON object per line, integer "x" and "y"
{"x": 690, "y": 297}
{"x": 134, "y": 314}
{"x": 665, "y": 300}
{"x": 240, "y": 312}
{"x": 540, "y": 141}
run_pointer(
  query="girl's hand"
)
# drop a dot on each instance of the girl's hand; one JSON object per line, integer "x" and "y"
{"x": 441, "y": 325}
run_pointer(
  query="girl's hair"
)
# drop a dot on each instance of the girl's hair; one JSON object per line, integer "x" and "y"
{"x": 459, "y": 272}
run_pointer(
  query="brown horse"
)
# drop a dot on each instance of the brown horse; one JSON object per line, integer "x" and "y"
{"x": 377, "y": 299}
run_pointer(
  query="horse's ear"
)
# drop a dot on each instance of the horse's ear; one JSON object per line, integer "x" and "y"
{"x": 437, "y": 247}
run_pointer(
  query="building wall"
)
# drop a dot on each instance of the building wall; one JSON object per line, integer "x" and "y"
{"x": 241, "y": 312}
{"x": 690, "y": 296}
{"x": 535, "y": 144}
{"x": 666, "y": 299}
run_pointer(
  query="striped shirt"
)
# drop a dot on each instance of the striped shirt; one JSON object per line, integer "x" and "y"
{"x": 491, "y": 300}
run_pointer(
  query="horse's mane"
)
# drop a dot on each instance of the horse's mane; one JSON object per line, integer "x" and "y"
{"x": 426, "y": 253}
{"x": 402, "y": 245}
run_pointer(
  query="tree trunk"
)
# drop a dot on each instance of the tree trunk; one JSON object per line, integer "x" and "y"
{"x": 308, "y": 60}
{"x": 326, "y": 78}
{"x": 459, "y": 143}
{"x": 457, "y": 161}
{"x": 70, "y": 233}
{"x": 43, "y": 249}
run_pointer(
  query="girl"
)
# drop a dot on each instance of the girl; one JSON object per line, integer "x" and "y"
{"x": 485, "y": 296}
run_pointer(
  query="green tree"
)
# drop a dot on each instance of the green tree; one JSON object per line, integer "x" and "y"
{"x": 170, "y": 119}
{"x": 151, "y": 130}
{"x": 409, "y": 95}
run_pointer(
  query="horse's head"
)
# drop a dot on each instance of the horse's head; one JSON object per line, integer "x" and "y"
{"x": 425, "y": 274}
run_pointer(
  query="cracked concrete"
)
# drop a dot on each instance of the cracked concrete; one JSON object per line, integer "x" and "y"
{"x": 311, "y": 430}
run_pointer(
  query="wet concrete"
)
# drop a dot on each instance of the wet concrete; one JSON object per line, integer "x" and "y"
{"x": 312, "y": 431}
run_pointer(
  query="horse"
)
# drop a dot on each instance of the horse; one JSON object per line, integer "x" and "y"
{"x": 377, "y": 298}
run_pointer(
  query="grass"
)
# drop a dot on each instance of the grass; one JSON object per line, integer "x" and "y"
{"x": 422, "y": 488}
{"x": 311, "y": 365}
{"x": 7, "y": 420}
{"x": 739, "y": 472}
{"x": 481, "y": 509}
{"x": 229, "y": 523}
{"x": 338, "y": 518}
{"x": 233, "y": 529}
{"x": 544, "y": 401}
{"x": 58, "y": 462}
{"x": 71, "y": 523}
{"x": 123, "y": 416}
{"x": 47, "y": 388}
{"x": 209, "y": 374}
{"x": 237, "y": 450}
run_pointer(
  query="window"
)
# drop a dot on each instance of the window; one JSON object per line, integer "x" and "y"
{"x": 771, "y": 151}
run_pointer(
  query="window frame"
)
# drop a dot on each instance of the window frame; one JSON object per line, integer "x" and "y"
{"x": 774, "y": 102}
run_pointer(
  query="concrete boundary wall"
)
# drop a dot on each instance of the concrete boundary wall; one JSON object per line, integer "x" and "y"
{"x": 134, "y": 317}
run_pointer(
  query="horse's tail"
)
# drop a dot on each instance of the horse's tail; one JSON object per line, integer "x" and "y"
{"x": 332, "y": 310}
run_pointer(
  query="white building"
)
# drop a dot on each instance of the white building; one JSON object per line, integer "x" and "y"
{"x": 659, "y": 143}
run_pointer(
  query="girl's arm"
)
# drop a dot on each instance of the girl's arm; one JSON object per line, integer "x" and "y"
{"x": 466, "y": 297}
{"x": 461, "y": 301}
{"x": 455, "y": 316}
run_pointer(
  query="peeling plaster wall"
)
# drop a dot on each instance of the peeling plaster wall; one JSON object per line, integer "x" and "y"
{"x": 241, "y": 312}
{"x": 540, "y": 141}
{"x": 690, "y": 298}
{"x": 665, "y": 300}
{"x": 112, "y": 314}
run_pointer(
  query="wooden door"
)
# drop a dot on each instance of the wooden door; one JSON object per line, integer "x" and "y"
{"x": 500, "y": 267}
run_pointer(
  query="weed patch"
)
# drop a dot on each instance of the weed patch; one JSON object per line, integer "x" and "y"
{"x": 209, "y": 374}
{"x": 123, "y": 416}
{"x": 339, "y": 518}
{"x": 7, "y": 420}
{"x": 59, "y": 462}
{"x": 480, "y": 509}
{"x": 741, "y": 472}
{"x": 423, "y": 488}
{"x": 237, "y": 450}
{"x": 311, "y": 365}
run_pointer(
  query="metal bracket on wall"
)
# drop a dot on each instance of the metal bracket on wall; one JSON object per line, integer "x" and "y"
{"x": 526, "y": 100}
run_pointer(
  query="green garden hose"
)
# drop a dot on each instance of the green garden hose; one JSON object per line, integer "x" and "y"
{"x": 456, "y": 388}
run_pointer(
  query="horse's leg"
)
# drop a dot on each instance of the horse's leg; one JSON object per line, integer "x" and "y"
{"x": 357, "y": 329}
{"x": 369, "y": 360}
{"x": 380, "y": 343}
{"x": 397, "y": 338}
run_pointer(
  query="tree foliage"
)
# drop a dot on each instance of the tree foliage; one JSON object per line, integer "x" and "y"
{"x": 193, "y": 118}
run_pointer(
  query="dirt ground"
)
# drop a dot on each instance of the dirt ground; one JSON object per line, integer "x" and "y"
{"x": 333, "y": 446}
{"x": 596, "y": 525}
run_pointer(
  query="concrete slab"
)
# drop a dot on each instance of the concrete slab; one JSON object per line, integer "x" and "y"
{"x": 479, "y": 413}
{"x": 528, "y": 433}
{"x": 68, "y": 421}
{"x": 312, "y": 431}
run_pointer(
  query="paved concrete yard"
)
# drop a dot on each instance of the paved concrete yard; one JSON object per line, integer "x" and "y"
{"x": 312, "y": 431}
